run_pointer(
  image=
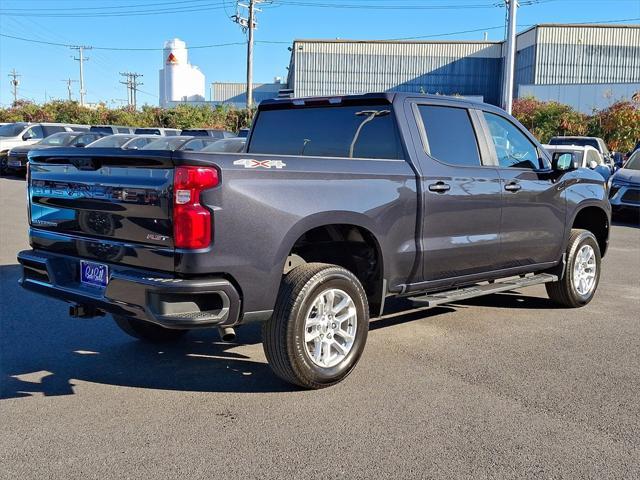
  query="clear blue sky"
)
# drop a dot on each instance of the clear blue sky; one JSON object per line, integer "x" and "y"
{"x": 44, "y": 67}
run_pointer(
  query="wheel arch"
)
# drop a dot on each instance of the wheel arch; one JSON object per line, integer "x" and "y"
{"x": 355, "y": 235}
{"x": 594, "y": 218}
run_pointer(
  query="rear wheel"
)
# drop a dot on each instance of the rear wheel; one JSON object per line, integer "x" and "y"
{"x": 580, "y": 281}
{"x": 319, "y": 327}
{"x": 147, "y": 331}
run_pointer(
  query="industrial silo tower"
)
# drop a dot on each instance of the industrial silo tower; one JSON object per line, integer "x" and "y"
{"x": 179, "y": 80}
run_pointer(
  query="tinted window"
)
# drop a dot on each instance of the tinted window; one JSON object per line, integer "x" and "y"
{"x": 581, "y": 142}
{"x": 513, "y": 148}
{"x": 450, "y": 135}
{"x": 11, "y": 130}
{"x": 123, "y": 130}
{"x": 101, "y": 129}
{"x": 195, "y": 133}
{"x": 350, "y": 131}
{"x": 35, "y": 132}
{"x": 147, "y": 131}
{"x": 51, "y": 129}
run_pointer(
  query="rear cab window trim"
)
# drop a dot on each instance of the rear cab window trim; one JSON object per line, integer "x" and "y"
{"x": 403, "y": 155}
{"x": 484, "y": 153}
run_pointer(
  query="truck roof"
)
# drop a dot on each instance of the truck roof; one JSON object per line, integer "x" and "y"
{"x": 377, "y": 98}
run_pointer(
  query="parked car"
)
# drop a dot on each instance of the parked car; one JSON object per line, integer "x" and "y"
{"x": 165, "y": 132}
{"x": 167, "y": 143}
{"x": 17, "y": 159}
{"x": 207, "y": 132}
{"x": 23, "y": 133}
{"x": 228, "y": 145}
{"x": 596, "y": 142}
{"x": 624, "y": 187}
{"x": 111, "y": 129}
{"x": 336, "y": 205}
{"x": 243, "y": 132}
{"x": 586, "y": 157}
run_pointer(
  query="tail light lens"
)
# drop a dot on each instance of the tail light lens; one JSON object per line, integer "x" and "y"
{"x": 192, "y": 222}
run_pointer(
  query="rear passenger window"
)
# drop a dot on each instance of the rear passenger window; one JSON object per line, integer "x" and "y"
{"x": 339, "y": 131}
{"x": 450, "y": 135}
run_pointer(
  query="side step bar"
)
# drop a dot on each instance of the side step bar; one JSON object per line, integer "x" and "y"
{"x": 451, "y": 296}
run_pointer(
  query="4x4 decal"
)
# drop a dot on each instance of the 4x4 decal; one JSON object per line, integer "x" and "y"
{"x": 250, "y": 163}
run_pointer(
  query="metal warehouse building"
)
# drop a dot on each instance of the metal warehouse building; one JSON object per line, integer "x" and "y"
{"x": 550, "y": 59}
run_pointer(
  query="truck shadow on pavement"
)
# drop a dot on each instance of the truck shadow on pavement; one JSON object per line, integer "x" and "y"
{"x": 43, "y": 351}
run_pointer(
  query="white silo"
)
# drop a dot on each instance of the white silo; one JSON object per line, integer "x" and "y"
{"x": 179, "y": 80}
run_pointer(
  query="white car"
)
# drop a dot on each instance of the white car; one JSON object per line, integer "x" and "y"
{"x": 23, "y": 133}
{"x": 584, "y": 156}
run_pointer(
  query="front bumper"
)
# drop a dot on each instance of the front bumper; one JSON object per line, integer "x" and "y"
{"x": 624, "y": 196}
{"x": 156, "y": 297}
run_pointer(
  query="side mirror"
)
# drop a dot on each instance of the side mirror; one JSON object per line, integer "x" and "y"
{"x": 563, "y": 162}
{"x": 79, "y": 145}
{"x": 593, "y": 164}
{"x": 27, "y": 136}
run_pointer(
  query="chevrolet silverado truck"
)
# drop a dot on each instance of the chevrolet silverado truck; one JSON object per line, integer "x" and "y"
{"x": 335, "y": 205}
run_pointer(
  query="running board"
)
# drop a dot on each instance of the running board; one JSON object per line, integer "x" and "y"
{"x": 451, "y": 296}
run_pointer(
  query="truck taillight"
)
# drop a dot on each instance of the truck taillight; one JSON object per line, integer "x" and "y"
{"x": 192, "y": 222}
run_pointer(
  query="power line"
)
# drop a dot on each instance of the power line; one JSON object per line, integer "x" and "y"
{"x": 117, "y": 49}
{"x": 122, "y": 12}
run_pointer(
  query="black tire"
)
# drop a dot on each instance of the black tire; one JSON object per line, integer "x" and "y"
{"x": 147, "y": 331}
{"x": 564, "y": 291}
{"x": 283, "y": 336}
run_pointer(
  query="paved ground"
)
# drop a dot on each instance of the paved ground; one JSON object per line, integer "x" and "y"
{"x": 506, "y": 386}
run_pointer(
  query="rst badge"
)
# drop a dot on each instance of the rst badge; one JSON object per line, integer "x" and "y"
{"x": 250, "y": 163}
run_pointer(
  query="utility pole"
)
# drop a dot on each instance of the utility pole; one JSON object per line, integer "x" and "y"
{"x": 248, "y": 24}
{"x": 132, "y": 84}
{"x": 128, "y": 84}
{"x": 14, "y": 76}
{"x": 81, "y": 58}
{"x": 510, "y": 57}
{"x": 69, "y": 82}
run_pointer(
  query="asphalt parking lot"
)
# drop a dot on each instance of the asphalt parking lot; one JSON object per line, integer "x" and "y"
{"x": 505, "y": 386}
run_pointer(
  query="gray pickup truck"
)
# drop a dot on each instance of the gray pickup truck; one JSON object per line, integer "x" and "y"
{"x": 336, "y": 205}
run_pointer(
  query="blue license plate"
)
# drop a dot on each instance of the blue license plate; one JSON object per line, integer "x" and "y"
{"x": 94, "y": 274}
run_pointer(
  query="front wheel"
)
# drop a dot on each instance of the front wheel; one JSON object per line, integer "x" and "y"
{"x": 578, "y": 285}
{"x": 319, "y": 327}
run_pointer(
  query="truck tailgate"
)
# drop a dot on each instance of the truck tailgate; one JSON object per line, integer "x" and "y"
{"x": 105, "y": 204}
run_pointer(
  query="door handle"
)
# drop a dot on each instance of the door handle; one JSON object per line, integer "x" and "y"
{"x": 439, "y": 187}
{"x": 512, "y": 187}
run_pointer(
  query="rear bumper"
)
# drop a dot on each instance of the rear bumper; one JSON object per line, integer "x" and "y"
{"x": 156, "y": 297}
{"x": 18, "y": 163}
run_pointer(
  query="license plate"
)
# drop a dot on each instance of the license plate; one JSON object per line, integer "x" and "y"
{"x": 94, "y": 274}
{"x": 14, "y": 163}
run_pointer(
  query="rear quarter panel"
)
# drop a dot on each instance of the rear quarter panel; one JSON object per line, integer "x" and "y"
{"x": 260, "y": 212}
